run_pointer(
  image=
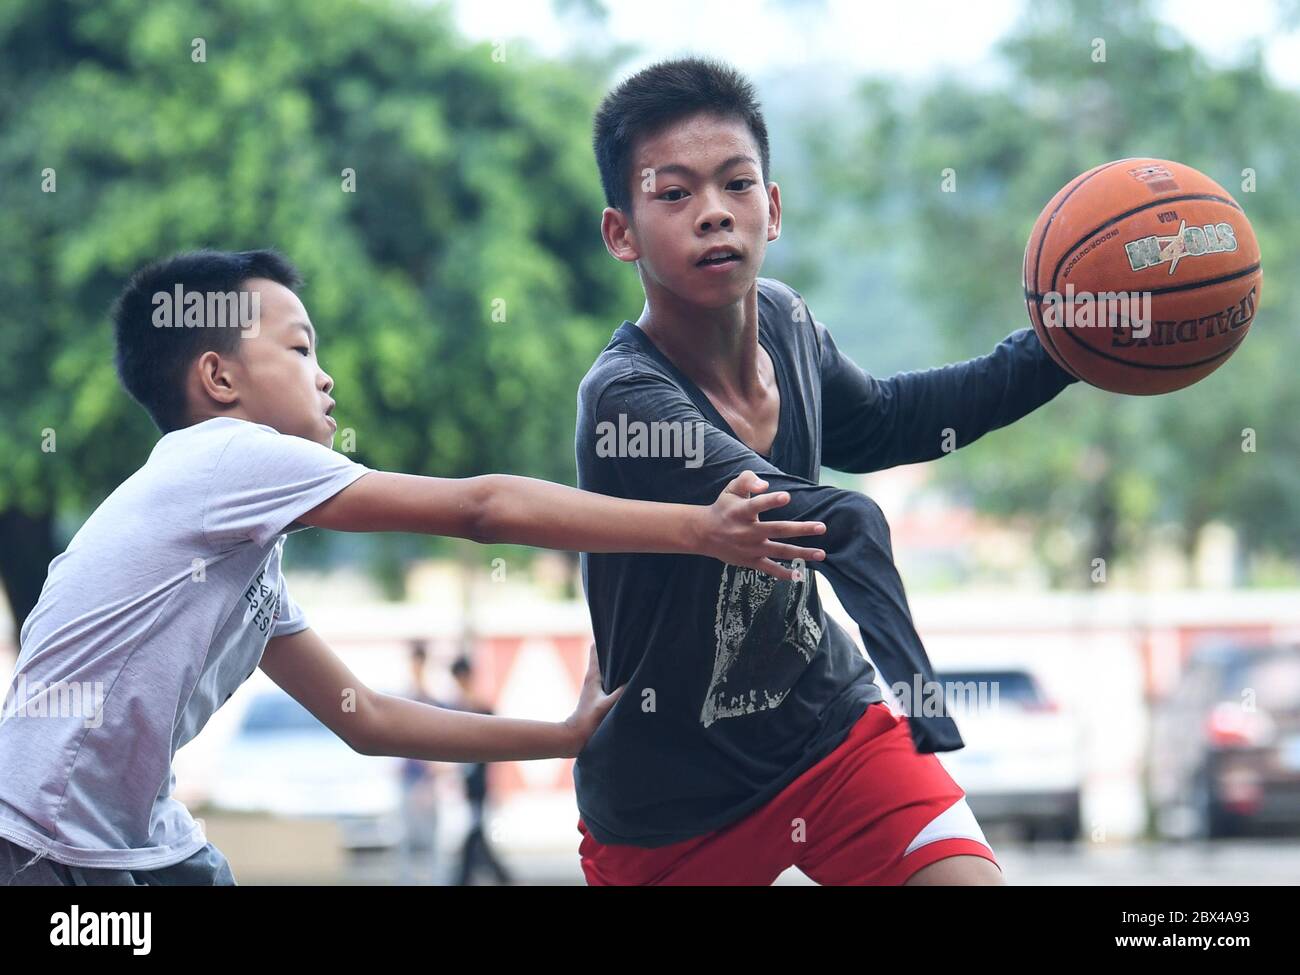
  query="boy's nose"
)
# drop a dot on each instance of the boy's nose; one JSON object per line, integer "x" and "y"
{"x": 715, "y": 212}
{"x": 716, "y": 218}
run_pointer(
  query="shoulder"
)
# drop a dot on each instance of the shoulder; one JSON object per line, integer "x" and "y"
{"x": 782, "y": 303}
{"x": 784, "y": 311}
{"x": 622, "y": 365}
{"x": 777, "y": 292}
{"x": 216, "y": 440}
{"x": 212, "y": 435}
{"x": 788, "y": 320}
{"x": 181, "y": 460}
{"x": 238, "y": 440}
{"x": 251, "y": 459}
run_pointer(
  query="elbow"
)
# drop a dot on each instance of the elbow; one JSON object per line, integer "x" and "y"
{"x": 484, "y": 518}
{"x": 363, "y": 744}
{"x": 863, "y": 513}
{"x": 363, "y": 733}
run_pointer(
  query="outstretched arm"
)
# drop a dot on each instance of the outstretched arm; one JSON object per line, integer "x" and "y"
{"x": 525, "y": 511}
{"x": 383, "y": 724}
{"x": 870, "y": 424}
{"x": 265, "y": 484}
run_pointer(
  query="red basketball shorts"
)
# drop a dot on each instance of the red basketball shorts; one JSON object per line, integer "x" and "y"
{"x": 873, "y": 811}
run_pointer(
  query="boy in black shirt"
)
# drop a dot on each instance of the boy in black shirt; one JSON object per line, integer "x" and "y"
{"x": 752, "y": 736}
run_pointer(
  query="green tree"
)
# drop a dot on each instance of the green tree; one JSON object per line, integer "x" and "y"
{"x": 459, "y": 292}
{"x": 1109, "y": 467}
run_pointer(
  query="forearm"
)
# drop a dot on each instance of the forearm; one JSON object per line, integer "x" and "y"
{"x": 524, "y": 511}
{"x": 980, "y": 395}
{"x": 504, "y": 508}
{"x": 402, "y": 728}
{"x": 912, "y": 417}
{"x": 860, "y": 566}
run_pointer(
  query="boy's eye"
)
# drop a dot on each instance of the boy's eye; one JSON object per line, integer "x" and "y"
{"x": 303, "y": 349}
{"x": 744, "y": 179}
{"x": 668, "y": 195}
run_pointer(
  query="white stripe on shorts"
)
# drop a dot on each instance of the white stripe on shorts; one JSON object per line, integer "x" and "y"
{"x": 957, "y": 822}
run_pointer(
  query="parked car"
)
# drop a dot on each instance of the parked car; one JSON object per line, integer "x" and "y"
{"x": 281, "y": 760}
{"x": 1023, "y": 763}
{"x": 1225, "y": 744}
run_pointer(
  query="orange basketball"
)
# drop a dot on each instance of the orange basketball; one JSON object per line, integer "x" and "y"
{"x": 1142, "y": 276}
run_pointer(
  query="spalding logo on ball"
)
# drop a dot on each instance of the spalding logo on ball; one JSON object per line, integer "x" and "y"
{"x": 1142, "y": 276}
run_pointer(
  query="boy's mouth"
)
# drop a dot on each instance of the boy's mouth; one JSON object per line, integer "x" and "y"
{"x": 719, "y": 257}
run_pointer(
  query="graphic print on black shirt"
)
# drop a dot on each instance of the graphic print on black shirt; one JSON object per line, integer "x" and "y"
{"x": 766, "y": 636}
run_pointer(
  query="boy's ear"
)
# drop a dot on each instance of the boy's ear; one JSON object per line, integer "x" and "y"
{"x": 617, "y": 233}
{"x": 773, "y": 212}
{"x": 215, "y": 378}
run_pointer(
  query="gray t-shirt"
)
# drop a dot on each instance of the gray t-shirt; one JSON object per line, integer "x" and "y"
{"x": 159, "y": 609}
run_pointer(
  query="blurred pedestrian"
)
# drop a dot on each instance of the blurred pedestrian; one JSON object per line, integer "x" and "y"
{"x": 418, "y": 854}
{"x": 477, "y": 852}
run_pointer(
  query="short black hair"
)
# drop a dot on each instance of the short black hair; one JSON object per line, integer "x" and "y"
{"x": 151, "y": 360}
{"x": 658, "y": 96}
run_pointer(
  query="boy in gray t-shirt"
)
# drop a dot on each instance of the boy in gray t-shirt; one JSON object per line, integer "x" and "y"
{"x": 171, "y": 594}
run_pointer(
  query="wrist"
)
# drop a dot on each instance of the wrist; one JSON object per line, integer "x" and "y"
{"x": 698, "y": 530}
{"x": 571, "y": 738}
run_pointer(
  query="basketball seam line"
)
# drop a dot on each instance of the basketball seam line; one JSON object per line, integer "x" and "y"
{"x": 1038, "y": 257}
{"x": 1187, "y": 286}
{"x": 1181, "y": 365}
{"x": 1124, "y": 216}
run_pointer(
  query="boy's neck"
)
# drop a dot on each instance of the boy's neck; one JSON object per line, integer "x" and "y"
{"x": 717, "y": 348}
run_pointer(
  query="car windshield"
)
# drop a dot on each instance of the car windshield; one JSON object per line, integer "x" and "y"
{"x": 279, "y": 713}
{"x": 1009, "y": 686}
{"x": 1273, "y": 675}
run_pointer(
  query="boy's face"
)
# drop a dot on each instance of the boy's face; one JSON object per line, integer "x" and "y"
{"x": 697, "y": 192}
{"x": 274, "y": 377}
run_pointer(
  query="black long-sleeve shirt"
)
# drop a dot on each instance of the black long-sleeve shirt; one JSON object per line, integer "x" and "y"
{"x": 738, "y": 682}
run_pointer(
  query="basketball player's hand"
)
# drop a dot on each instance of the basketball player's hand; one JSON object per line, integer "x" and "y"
{"x": 593, "y": 703}
{"x": 734, "y": 534}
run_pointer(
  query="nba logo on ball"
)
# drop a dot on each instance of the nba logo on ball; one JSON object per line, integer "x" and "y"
{"x": 1158, "y": 228}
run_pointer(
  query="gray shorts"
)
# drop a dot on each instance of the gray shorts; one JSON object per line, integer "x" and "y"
{"x": 20, "y": 867}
